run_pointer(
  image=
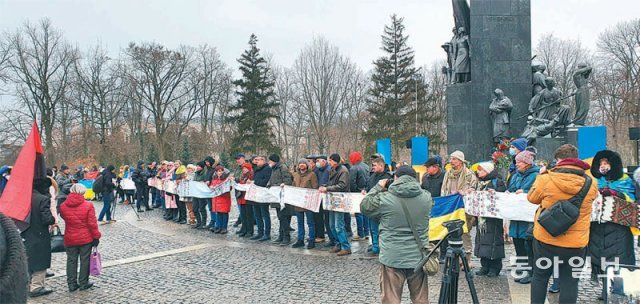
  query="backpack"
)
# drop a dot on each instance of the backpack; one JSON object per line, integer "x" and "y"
{"x": 98, "y": 184}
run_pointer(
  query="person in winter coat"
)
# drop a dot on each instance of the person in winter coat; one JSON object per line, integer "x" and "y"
{"x": 400, "y": 252}
{"x": 140, "y": 178}
{"x": 489, "y": 245}
{"x": 5, "y": 174}
{"x": 562, "y": 182}
{"x": 610, "y": 241}
{"x": 200, "y": 204}
{"x": 358, "y": 174}
{"x": 80, "y": 235}
{"x": 379, "y": 171}
{"x": 521, "y": 182}
{"x": 107, "y": 194}
{"x": 516, "y": 147}
{"x": 247, "y": 219}
{"x": 280, "y": 176}
{"x": 79, "y": 174}
{"x": 37, "y": 239}
{"x": 190, "y": 176}
{"x": 64, "y": 181}
{"x": 305, "y": 178}
{"x": 321, "y": 219}
{"x": 178, "y": 176}
{"x": 263, "y": 218}
{"x": 458, "y": 180}
{"x": 338, "y": 182}
{"x": 209, "y": 172}
{"x": 221, "y": 205}
{"x": 432, "y": 180}
{"x": 14, "y": 274}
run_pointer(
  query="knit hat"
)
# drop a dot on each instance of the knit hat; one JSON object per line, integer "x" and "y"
{"x": 200, "y": 164}
{"x": 487, "y": 167}
{"x": 219, "y": 167}
{"x": 304, "y": 161}
{"x": 405, "y": 170}
{"x": 459, "y": 155}
{"x": 355, "y": 157}
{"x": 247, "y": 166}
{"x": 78, "y": 188}
{"x": 433, "y": 162}
{"x": 64, "y": 167}
{"x": 525, "y": 157}
{"x": 335, "y": 157}
{"x": 520, "y": 144}
{"x": 274, "y": 158}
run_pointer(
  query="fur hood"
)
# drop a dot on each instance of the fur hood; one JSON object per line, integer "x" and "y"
{"x": 616, "y": 172}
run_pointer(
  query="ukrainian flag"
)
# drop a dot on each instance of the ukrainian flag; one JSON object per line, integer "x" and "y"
{"x": 445, "y": 208}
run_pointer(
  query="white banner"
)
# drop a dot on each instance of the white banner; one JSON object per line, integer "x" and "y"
{"x": 201, "y": 190}
{"x": 508, "y": 206}
{"x": 127, "y": 184}
{"x": 343, "y": 202}
{"x": 309, "y": 199}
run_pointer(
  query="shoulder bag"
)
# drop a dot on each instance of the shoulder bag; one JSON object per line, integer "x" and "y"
{"x": 432, "y": 266}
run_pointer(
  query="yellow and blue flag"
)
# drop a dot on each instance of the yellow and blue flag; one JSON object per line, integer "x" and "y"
{"x": 445, "y": 208}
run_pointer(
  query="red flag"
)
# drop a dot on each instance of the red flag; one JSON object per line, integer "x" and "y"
{"x": 16, "y": 198}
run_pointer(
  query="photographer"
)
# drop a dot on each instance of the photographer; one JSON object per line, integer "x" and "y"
{"x": 554, "y": 186}
{"x": 399, "y": 252}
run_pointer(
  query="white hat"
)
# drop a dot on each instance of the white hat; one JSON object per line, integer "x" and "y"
{"x": 459, "y": 155}
{"x": 487, "y": 166}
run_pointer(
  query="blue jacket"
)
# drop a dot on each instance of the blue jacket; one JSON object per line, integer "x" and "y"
{"x": 524, "y": 181}
{"x": 323, "y": 175}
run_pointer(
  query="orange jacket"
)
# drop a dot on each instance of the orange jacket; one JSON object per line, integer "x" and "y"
{"x": 550, "y": 188}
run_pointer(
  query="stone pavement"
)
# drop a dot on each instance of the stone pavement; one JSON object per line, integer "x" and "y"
{"x": 155, "y": 261}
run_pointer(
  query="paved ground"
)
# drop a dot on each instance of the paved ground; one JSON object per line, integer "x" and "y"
{"x": 154, "y": 261}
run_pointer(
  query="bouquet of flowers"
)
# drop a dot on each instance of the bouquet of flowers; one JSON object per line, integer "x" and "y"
{"x": 500, "y": 155}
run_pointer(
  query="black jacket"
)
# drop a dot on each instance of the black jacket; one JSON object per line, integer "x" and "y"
{"x": 262, "y": 176}
{"x": 489, "y": 237}
{"x": 433, "y": 184}
{"x": 374, "y": 178}
{"x": 107, "y": 181}
{"x": 37, "y": 240}
{"x": 280, "y": 175}
{"x": 339, "y": 179}
{"x": 139, "y": 177}
{"x": 359, "y": 174}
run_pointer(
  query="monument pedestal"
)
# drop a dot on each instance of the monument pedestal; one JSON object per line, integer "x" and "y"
{"x": 588, "y": 140}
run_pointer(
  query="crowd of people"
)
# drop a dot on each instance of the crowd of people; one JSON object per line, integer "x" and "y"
{"x": 384, "y": 223}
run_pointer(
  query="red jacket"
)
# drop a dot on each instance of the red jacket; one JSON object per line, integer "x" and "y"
{"x": 221, "y": 203}
{"x": 243, "y": 180}
{"x": 80, "y": 223}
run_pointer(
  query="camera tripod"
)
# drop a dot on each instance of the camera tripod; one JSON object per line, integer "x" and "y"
{"x": 114, "y": 206}
{"x": 454, "y": 256}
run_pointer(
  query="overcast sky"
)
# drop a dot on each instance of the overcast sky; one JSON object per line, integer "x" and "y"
{"x": 284, "y": 27}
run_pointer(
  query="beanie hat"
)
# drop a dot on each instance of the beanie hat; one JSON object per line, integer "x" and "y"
{"x": 78, "y": 188}
{"x": 274, "y": 158}
{"x": 355, "y": 157}
{"x": 520, "y": 144}
{"x": 219, "y": 167}
{"x": 433, "y": 162}
{"x": 200, "y": 164}
{"x": 487, "y": 167}
{"x": 405, "y": 170}
{"x": 525, "y": 157}
{"x": 335, "y": 157}
{"x": 304, "y": 161}
{"x": 247, "y": 166}
{"x": 459, "y": 155}
{"x": 63, "y": 167}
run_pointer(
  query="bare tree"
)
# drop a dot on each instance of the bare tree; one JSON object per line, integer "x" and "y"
{"x": 99, "y": 80}
{"x": 561, "y": 56}
{"x": 325, "y": 78}
{"x": 158, "y": 76}
{"x": 41, "y": 61}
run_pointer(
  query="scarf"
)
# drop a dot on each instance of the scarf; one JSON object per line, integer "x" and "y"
{"x": 458, "y": 180}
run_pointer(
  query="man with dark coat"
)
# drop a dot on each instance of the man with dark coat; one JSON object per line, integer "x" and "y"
{"x": 432, "y": 180}
{"x": 358, "y": 175}
{"x": 321, "y": 219}
{"x": 37, "y": 239}
{"x": 379, "y": 171}
{"x": 338, "y": 182}
{"x": 152, "y": 171}
{"x": 64, "y": 181}
{"x": 261, "y": 178}
{"x": 140, "y": 178}
{"x": 14, "y": 274}
{"x": 280, "y": 176}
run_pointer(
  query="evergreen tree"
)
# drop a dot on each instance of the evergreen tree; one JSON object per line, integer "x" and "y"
{"x": 393, "y": 88}
{"x": 255, "y": 105}
{"x": 185, "y": 155}
{"x": 152, "y": 155}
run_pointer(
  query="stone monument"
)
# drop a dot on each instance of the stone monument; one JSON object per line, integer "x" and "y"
{"x": 500, "y": 113}
{"x": 499, "y": 41}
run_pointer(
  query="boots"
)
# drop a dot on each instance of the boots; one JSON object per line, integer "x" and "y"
{"x": 278, "y": 240}
{"x": 286, "y": 239}
{"x": 298, "y": 244}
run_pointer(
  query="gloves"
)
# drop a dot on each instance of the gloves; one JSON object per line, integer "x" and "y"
{"x": 95, "y": 243}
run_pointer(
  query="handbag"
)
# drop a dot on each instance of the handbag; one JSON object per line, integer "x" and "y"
{"x": 57, "y": 241}
{"x": 563, "y": 214}
{"x": 95, "y": 262}
{"x": 432, "y": 266}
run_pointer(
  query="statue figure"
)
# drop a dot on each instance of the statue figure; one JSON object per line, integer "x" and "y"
{"x": 583, "y": 96}
{"x": 462, "y": 66}
{"x": 538, "y": 78}
{"x": 449, "y": 48}
{"x": 546, "y": 114}
{"x": 500, "y": 112}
